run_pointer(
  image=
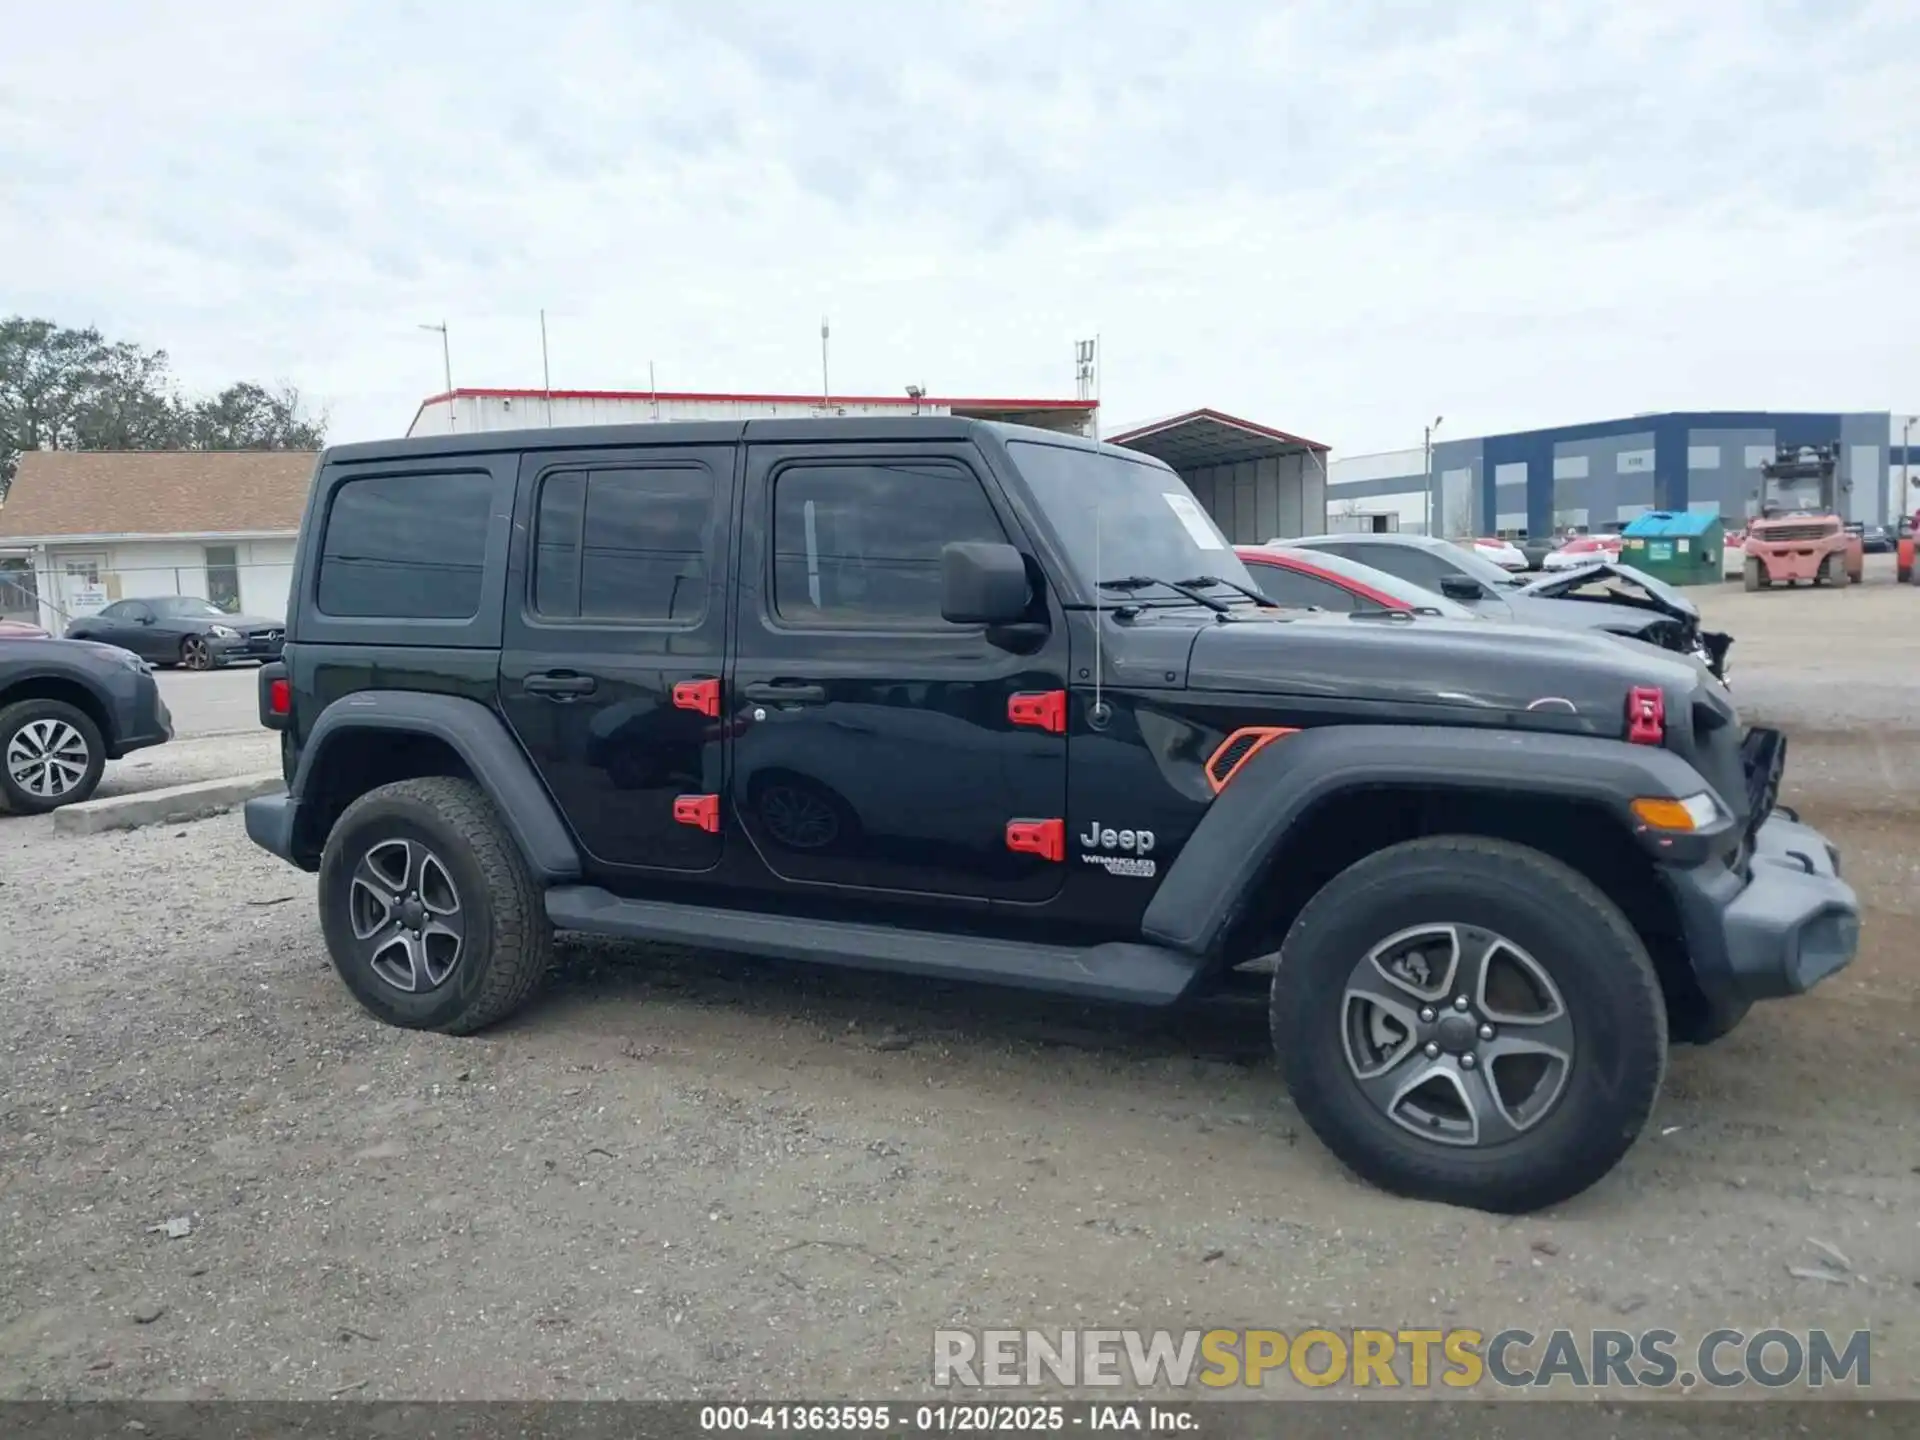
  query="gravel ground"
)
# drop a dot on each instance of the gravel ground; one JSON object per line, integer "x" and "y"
{"x": 683, "y": 1174}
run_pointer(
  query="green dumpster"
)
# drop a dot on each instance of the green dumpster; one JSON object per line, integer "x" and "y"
{"x": 1681, "y": 547}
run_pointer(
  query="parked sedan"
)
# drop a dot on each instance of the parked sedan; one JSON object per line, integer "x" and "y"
{"x": 1504, "y": 553}
{"x": 1581, "y": 551}
{"x": 1603, "y": 596}
{"x": 21, "y": 630}
{"x": 180, "y": 630}
{"x": 1314, "y": 580}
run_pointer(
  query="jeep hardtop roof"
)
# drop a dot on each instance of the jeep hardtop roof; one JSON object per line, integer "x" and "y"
{"x": 793, "y": 430}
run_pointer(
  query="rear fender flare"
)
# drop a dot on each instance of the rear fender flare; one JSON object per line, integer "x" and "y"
{"x": 479, "y": 738}
{"x": 1209, "y": 884}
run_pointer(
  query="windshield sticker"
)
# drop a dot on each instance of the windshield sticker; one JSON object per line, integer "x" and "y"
{"x": 1205, "y": 534}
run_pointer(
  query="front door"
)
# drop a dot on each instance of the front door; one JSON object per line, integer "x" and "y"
{"x": 614, "y": 641}
{"x": 873, "y": 746}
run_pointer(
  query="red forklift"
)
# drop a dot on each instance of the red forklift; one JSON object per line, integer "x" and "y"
{"x": 1798, "y": 534}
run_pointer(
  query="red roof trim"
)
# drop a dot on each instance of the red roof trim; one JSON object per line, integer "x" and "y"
{"x": 1219, "y": 416}
{"x": 902, "y": 401}
{"x": 1258, "y": 555}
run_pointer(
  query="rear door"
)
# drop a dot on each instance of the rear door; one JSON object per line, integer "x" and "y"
{"x": 613, "y": 646}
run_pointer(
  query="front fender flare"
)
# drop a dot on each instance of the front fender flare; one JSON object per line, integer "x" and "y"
{"x": 1208, "y": 885}
{"x": 481, "y": 739}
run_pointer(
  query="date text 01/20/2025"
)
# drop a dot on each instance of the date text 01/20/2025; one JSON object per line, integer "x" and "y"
{"x": 983, "y": 1419}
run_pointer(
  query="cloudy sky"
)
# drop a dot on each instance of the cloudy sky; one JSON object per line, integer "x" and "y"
{"x": 1340, "y": 218}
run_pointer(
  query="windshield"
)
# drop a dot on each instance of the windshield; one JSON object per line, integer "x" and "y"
{"x": 1483, "y": 569}
{"x": 189, "y": 608}
{"x": 1117, "y": 518}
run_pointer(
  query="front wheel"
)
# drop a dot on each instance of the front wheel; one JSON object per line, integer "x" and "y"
{"x": 1470, "y": 1021}
{"x": 196, "y": 653}
{"x": 51, "y": 754}
{"x": 1751, "y": 573}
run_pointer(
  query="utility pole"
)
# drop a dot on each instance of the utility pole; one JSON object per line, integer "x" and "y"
{"x": 826, "y": 386}
{"x": 1086, "y": 376}
{"x": 1905, "y": 498}
{"x": 546, "y": 373}
{"x": 1426, "y": 446}
{"x": 446, "y": 361}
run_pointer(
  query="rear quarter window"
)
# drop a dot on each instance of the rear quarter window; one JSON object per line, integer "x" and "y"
{"x": 408, "y": 546}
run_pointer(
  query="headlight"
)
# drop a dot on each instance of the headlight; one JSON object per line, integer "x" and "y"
{"x": 1696, "y": 812}
{"x": 224, "y": 632}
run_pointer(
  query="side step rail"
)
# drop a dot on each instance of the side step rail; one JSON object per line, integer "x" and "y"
{"x": 1138, "y": 974}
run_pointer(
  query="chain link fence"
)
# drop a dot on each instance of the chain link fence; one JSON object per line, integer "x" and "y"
{"x": 69, "y": 588}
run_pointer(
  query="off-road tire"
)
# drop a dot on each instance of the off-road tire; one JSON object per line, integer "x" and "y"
{"x": 1837, "y": 575}
{"x": 1576, "y": 935}
{"x": 14, "y": 800}
{"x": 508, "y": 945}
{"x": 1750, "y": 571}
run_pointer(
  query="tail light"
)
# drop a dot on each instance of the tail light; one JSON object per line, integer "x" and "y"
{"x": 276, "y": 696}
{"x": 1646, "y": 715}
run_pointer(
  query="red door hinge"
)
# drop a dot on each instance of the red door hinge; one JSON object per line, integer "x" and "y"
{"x": 701, "y": 695}
{"x": 1043, "y": 709}
{"x": 701, "y": 810}
{"x": 1045, "y": 838}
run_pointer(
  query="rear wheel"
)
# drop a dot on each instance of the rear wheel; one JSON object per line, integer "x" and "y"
{"x": 429, "y": 911}
{"x": 1470, "y": 1021}
{"x": 51, "y": 755}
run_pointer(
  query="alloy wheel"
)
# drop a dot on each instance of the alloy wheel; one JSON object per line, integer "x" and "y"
{"x": 1457, "y": 1034}
{"x": 406, "y": 915}
{"x": 47, "y": 758}
{"x": 195, "y": 653}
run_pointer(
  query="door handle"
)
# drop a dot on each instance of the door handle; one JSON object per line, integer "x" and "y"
{"x": 559, "y": 685}
{"x": 785, "y": 692}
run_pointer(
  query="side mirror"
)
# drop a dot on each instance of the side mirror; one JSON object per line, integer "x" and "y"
{"x": 1462, "y": 587}
{"x": 983, "y": 583}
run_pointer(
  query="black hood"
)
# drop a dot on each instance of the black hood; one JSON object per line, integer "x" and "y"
{"x": 1579, "y": 679}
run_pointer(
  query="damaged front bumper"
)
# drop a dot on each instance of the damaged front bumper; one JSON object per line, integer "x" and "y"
{"x": 1775, "y": 922}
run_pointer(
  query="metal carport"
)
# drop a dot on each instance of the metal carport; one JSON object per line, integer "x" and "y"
{"x": 1257, "y": 482}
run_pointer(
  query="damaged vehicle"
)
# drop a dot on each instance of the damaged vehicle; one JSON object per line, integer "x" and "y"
{"x": 1605, "y": 595}
{"x": 983, "y": 703}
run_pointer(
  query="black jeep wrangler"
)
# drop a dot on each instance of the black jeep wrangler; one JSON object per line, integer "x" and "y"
{"x": 982, "y": 702}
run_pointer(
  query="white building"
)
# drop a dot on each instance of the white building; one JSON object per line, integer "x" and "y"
{"x": 82, "y": 529}
{"x": 465, "y": 412}
{"x": 1256, "y": 481}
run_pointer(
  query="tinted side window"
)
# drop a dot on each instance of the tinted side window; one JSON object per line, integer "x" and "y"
{"x": 623, "y": 544}
{"x": 119, "y": 610}
{"x": 1290, "y": 587}
{"x": 1419, "y": 566}
{"x": 406, "y": 547}
{"x": 859, "y": 544}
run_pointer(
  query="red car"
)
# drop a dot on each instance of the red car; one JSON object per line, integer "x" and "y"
{"x": 1314, "y": 578}
{"x": 21, "y": 630}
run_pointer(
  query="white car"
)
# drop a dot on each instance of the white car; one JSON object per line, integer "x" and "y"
{"x": 1583, "y": 550}
{"x": 1503, "y": 553}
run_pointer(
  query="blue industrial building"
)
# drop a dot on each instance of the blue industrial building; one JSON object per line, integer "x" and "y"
{"x": 1542, "y": 482}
